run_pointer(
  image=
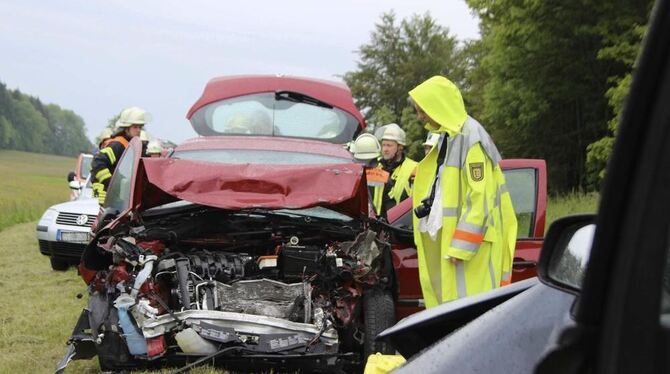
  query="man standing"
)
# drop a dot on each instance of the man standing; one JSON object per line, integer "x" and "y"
{"x": 399, "y": 167}
{"x": 466, "y": 230}
{"x": 129, "y": 125}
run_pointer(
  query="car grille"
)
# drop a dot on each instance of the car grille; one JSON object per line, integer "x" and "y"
{"x": 70, "y": 219}
{"x": 62, "y": 249}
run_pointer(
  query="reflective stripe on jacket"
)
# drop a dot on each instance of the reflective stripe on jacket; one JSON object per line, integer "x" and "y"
{"x": 478, "y": 224}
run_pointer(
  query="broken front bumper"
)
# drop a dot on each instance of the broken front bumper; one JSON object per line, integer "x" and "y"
{"x": 260, "y": 341}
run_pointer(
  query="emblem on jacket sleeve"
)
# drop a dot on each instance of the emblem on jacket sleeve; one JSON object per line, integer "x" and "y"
{"x": 477, "y": 171}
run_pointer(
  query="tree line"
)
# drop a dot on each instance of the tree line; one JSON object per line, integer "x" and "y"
{"x": 547, "y": 78}
{"x": 28, "y": 124}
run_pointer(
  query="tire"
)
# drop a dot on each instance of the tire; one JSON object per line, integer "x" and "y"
{"x": 58, "y": 264}
{"x": 378, "y": 315}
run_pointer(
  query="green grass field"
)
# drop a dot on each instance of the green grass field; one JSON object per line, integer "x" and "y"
{"x": 569, "y": 204}
{"x": 30, "y": 183}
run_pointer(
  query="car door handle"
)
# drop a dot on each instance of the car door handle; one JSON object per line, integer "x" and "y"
{"x": 524, "y": 264}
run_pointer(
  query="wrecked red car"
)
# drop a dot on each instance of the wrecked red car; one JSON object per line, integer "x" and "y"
{"x": 251, "y": 247}
{"x": 254, "y": 247}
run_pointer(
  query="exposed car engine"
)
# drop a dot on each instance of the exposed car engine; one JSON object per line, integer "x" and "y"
{"x": 205, "y": 281}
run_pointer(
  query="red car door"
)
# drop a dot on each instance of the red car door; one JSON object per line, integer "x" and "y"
{"x": 526, "y": 180}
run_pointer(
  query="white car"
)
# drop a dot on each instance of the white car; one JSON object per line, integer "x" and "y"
{"x": 63, "y": 231}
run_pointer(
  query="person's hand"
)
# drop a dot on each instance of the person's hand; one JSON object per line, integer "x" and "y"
{"x": 453, "y": 260}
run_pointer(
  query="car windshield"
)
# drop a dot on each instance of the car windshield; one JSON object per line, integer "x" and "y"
{"x": 314, "y": 212}
{"x": 287, "y": 114}
{"x": 254, "y": 156}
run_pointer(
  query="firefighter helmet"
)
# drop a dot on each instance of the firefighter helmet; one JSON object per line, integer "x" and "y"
{"x": 394, "y": 133}
{"x": 366, "y": 147}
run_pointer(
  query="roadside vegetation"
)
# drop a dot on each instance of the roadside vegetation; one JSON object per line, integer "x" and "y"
{"x": 547, "y": 79}
{"x": 573, "y": 203}
{"x": 28, "y": 124}
{"x": 30, "y": 183}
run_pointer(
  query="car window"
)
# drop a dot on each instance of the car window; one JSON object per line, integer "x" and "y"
{"x": 118, "y": 193}
{"x": 522, "y": 186}
{"x": 254, "y": 156}
{"x": 266, "y": 114}
{"x": 85, "y": 166}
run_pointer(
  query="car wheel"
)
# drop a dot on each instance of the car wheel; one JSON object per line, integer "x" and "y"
{"x": 59, "y": 264}
{"x": 378, "y": 315}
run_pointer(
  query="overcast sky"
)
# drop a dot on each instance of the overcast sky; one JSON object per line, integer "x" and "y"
{"x": 97, "y": 57}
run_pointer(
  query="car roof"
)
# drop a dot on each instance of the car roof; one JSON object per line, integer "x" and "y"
{"x": 333, "y": 93}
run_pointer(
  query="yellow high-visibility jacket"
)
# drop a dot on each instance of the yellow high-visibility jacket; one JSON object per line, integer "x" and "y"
{"x": 401, "y": 177}
{"x": 478, "y": 221}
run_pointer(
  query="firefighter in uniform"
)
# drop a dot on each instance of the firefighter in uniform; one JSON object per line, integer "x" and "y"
{"x": 129, "y": 125}
{"x": 464, "y": 223}
{"x": 400, "y": 168}
{"x": 367, "y": 150}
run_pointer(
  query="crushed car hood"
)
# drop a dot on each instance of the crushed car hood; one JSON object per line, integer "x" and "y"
{"x": 340, "y": 187}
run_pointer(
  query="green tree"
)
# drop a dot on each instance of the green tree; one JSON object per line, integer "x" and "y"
{"x": 547, "y": 78}
{"x": 28, "y": 124}
{"x": 622, "y": 33}
{"x": 544, "y": 94}
{"x": 399, "y": 56}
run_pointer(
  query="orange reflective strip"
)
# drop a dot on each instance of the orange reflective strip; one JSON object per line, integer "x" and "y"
{"x": 505, "y": 282}
{"x": 121, "y": 140}
{"x": 468, "y": 236}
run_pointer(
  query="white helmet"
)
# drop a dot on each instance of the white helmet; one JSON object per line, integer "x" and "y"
{"x": 123, "y": 114}
{"x": 431, "y": 139}
{"x": 106, "y": 133}
{"x": 395, "y": 133}
{"x": 144, "y": 136}
{"x": 366, "y": 147}
{"x": 154, "y": 147}
{"x": 133, "y": 116}
{"x": 379, "y": 131}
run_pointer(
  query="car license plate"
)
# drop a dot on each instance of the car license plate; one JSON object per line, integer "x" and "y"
{"x": 73, "y": 236}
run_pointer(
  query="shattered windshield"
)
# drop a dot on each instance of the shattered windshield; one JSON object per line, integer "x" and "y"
{"x": 283, "y": 113}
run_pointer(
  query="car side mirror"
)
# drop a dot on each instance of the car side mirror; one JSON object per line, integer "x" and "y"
{"x": 565, "y": 253}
